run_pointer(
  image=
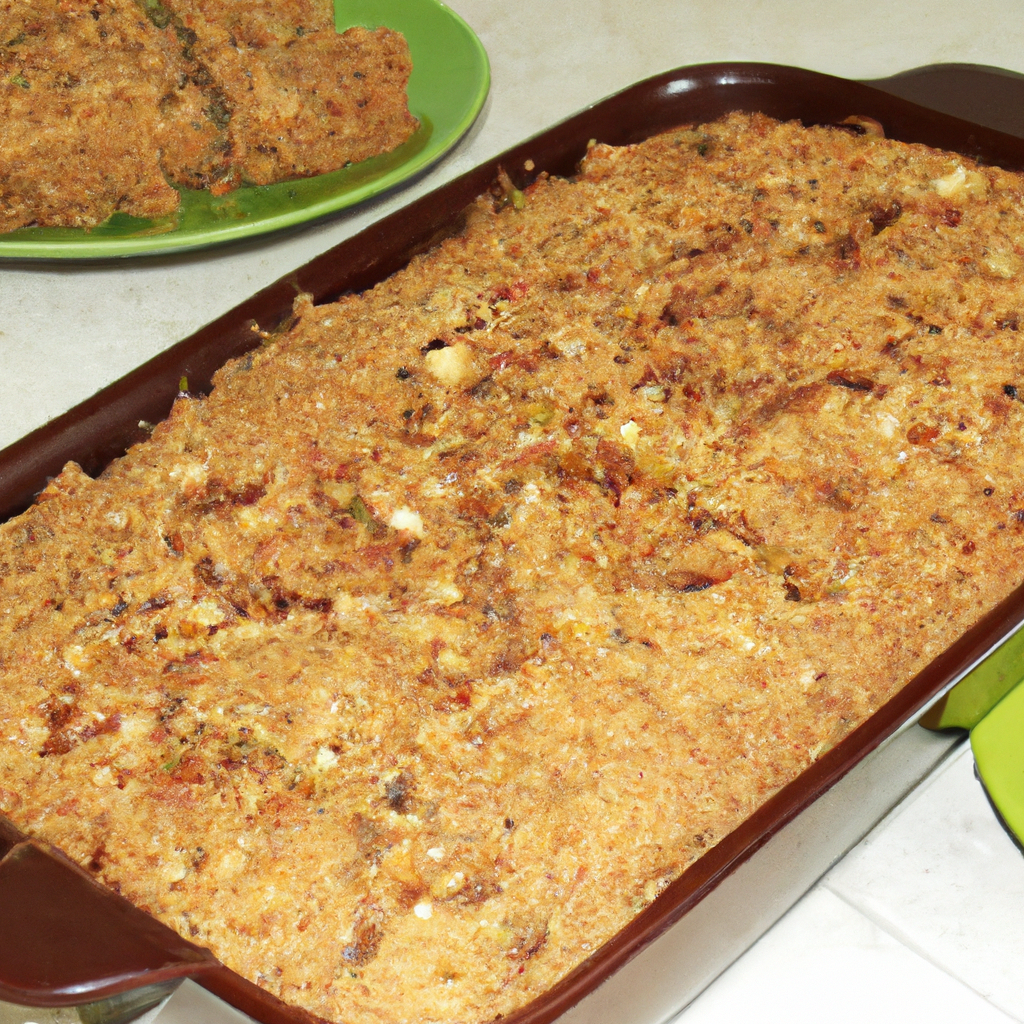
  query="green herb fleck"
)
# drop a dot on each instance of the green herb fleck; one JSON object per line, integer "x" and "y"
{"x": 218, "y": 111}
{"x": 19, "y": 79}
{"x": 360, "y": 513}
{"x": 157, "y": 13}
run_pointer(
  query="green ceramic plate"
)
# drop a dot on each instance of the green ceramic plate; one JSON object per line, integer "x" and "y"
{"x": 447, "y": 88}
{"x": 998, "y": 745}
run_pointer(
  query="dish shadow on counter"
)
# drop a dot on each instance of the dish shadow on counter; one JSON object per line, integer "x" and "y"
{"x": 102, "y": 428}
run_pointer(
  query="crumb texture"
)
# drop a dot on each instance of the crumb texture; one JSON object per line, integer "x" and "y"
{"x": 107, "y": 104}
{"x": 418, "y": 658}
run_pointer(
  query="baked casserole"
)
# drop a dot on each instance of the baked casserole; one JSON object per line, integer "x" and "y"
{"x": 410, "y": 664}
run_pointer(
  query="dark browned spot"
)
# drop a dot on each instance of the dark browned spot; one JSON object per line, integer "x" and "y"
{"x": 921, "y": 433}
{"x": 882, "y": 217}
{"x": 398, "y": 792}
{"x": 850, "y": 381}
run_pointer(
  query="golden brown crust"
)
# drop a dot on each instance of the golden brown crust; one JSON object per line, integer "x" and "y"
{"x": 80, "y": 92}
{"x": 303, "y": 99}
{"x": 408, "y": 666}
{"x": 103, "y": 102}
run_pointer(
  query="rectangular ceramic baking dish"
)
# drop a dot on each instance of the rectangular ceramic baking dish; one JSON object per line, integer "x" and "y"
{"x": 67, "y": 941}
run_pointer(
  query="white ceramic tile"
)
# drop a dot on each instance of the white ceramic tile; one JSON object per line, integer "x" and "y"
{"x": 191, "y": 1004}
{"x": 941, "y": 875}
{"x": 688, "y": 956}
{"x": 824, "y": 961}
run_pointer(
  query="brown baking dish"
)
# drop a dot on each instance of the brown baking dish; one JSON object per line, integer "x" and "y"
{"x": 67, "y": 940}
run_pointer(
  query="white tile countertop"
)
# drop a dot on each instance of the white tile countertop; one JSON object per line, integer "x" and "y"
{"x": 924, "y": 919}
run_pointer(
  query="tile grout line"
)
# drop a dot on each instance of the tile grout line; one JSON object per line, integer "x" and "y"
{"x": 895, "y": 934}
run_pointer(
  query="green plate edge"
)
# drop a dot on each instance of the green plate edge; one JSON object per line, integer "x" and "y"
{"x": 997, "y": 742}
{"x": 981, "y": 689}
{"x": 449, "y": 83}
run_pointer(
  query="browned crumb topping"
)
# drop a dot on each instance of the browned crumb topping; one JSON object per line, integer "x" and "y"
{"x": 103, "y": 103}
{"x": 412, "y": 663}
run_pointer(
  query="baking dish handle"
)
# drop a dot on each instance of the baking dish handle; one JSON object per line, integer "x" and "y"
{"x": 990, "y": 96}
{"x": 64, "y": 940}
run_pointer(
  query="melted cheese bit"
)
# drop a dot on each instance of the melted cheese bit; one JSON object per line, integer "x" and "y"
{"x": 452, "y": 365}
{"x": 405, "y": 519}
